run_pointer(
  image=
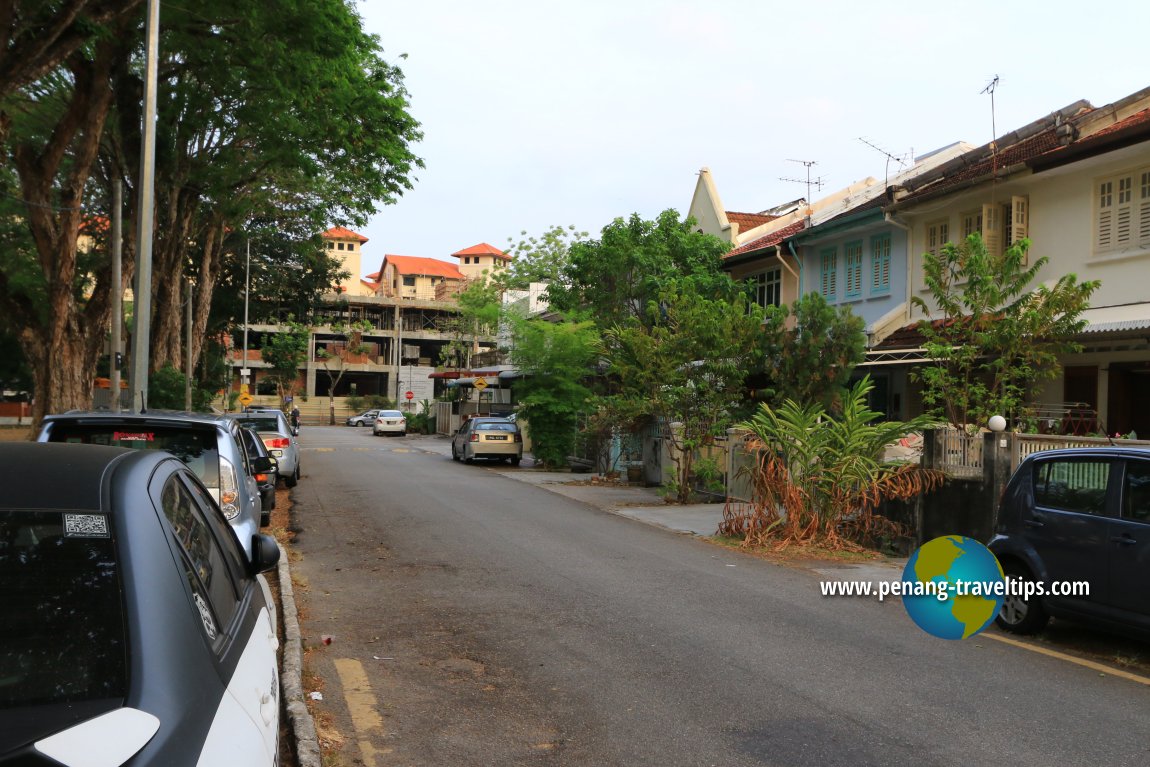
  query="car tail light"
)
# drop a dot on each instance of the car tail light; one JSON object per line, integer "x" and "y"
{"x": 279, "y": 442}
{"x": 261, "y": 478}
{"x": 518, "y": 437}
{"x": 474, "y": 436}
{"x": 229, "y": 489}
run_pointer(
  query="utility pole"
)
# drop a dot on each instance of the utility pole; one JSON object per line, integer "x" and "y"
{"x": 117, "y": 292}
{"x": 188, "y": 351}
{"x": 244, "y": 370}
{"x": 142, "y": 337}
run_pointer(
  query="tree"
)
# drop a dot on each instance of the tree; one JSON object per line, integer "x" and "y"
{"x": 684, "y": 366}
{"x": 335, "y": 361}
{"x": 286, "y": 351}
{"x": 554, "y": 359}
{"x": 37, "y": 35}
{"x": 480, "y": 311}
{"x": 812, "y": 362}
{"x": 540, "y": 259}
{"x": 617, "y": 276}
{"x": 819, "y": 476}
{"x": 990, "y": 340}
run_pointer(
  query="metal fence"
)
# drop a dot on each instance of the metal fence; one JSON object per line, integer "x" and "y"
{"x": 958, "y": 453}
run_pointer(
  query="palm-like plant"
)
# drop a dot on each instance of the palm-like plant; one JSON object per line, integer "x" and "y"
{"x": 818, "y": 477}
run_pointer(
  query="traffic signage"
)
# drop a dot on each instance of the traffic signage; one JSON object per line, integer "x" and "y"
{"x": 480, "y": 383}
{"x": 245, "y": 399}
{"x": 409, "y": 395}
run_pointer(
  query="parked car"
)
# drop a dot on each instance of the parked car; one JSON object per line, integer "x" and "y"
{"x": 495, "y": 438}
{"x": 280, "y": 439}
{"x": 366, "y": 418}
{"x": 210, "y": 445}
{"x": 255, "y": 448}
{"x": 137, "y": 631}
{"x": 1078, "y": 515}
{"x": 389, "y": 422}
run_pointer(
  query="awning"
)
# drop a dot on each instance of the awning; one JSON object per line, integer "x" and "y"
{"x": 1115, "y": 319}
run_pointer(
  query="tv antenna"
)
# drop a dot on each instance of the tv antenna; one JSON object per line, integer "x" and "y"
{"x": 990, "y": 88}
{"x": 902, "y": 161}
{"x": 817, "y": 183}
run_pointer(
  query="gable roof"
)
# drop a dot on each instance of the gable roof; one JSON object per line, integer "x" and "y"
{"x": 1133, "y": 129}
{"x": 748, "y": 221}
{"x": 482, "y": 249}
{"x": 768, "y": 240}
{"x": 996, "y": 159}
{"x": 340, "y": 233}
{"x": 422, "y": 267}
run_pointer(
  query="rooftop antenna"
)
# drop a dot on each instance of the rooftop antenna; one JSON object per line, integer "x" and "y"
{"x": 901, "y": 162}
{"x": 990, "y": 88}
{"x": 817, "y": 183}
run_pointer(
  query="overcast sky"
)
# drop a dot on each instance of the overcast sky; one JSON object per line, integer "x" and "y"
{"x": 539, "y": 113}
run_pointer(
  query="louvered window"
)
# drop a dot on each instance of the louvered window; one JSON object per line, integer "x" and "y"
{"x": 853, "y": 255}
{"x": 937, "y": 235}
{"x": 829, "y": 276}
{"x": 880, "y": 264}
{"x": 1122, "y": 219}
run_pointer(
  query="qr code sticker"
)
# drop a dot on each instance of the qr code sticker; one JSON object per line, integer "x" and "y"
{"x": 85, "y": 526}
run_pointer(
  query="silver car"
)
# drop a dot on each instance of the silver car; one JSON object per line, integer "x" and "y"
{"x": 281, "y": 442}
{"x": 210, "y": 445}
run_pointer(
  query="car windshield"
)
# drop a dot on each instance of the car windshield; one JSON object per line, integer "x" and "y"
{"x": 262, "y": 423}
{"x": 390, "y": 414}
{"x": 64, "y": 645}
{"x": 195, "y": 447}
{"x": 495, "y": 426}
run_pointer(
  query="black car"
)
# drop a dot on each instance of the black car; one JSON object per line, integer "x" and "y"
{"x": 256, "y": 450}
{"x": 1077, "y": 516}
{"x": 136, "y": 629}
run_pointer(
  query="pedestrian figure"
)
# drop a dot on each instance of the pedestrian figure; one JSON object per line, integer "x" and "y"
{"x": 295, "y": 420}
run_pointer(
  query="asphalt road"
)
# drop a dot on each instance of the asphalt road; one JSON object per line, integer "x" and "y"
{"x": 477, "y": 620}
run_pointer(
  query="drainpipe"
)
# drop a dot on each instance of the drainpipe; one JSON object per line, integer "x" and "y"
{"x": 799, "y": 261}
{"x": 890, "y": 219}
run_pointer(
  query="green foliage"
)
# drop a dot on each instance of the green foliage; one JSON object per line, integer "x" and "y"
{"x": 812, "y": 362}
{"x": 683, "y": 365}
{"x": 617, "y": 276}
{"x": 819, "y": 477}
{"x": 555, "y": 359}
{"x": 993, "y": 341}
{"x": 166, "y": 391}
{"x": 542, "y": 258}
{"x": 422, "y": 421}
{"x": 286, "y": 352}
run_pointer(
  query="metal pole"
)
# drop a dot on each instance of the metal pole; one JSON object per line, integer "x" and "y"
{"x": 117, "y": 292}
{"x": 188, "y": 352}
{"x": 244, "y": 372}
{"x": 142, "y": 337}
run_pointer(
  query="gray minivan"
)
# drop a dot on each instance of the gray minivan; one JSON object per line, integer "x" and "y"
{"x": 1078, "y": 515}
{"x": 210, "y": 445}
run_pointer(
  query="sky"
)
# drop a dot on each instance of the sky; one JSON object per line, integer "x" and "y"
{"x": 537, "y": 114}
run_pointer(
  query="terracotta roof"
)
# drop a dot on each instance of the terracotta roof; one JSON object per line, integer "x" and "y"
{"x": 1126, "y": 132}
{"x": 340, "y": 233}
{"x": 373, "y": 276}
{"x": 426, "y": 267}
{"x": 748, "y": 221}
{"x": 768, "y": 240}
{"x": 482, "y": 249}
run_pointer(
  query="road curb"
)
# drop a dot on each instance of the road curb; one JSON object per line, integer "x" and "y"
{"x": 291, "y": 679}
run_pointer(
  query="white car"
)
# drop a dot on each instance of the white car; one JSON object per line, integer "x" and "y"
{"x": 137, "y": 631}
{"x": 390, "y": 422}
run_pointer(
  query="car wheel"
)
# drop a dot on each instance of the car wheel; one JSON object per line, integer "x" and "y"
{"x": 265, "y": 519}
{"x": 515, "y": 461}
{"x": 454, "y": 455}
{"x": 1018, "y": 614}
{"x": 292, "y": 479}
{"x": 468, "y": 458}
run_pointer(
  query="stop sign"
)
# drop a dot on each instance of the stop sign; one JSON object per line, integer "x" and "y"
{"x": 410, "y": 395}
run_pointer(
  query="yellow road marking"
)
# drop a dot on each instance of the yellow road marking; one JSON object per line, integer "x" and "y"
{"x": 321, "y": 449}
{"x": 362, "y": 706}
{"x": 1100, "y": 667}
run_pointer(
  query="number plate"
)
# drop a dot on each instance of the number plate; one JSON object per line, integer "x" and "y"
{"x": 500, "y": 437}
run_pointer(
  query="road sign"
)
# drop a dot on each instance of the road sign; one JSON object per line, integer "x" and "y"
{"x": 245, "y": 399}
{"x": 409, "y": 395}
{"x": 480, "y": 383}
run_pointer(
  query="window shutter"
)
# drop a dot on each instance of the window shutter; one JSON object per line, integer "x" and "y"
{"x": 992, "y": 229}
{"x": 1105, "y": 236}
{"x": 1020, "y": 226}
{"x": 1124, "y": 212}
{"x": 1144, "y": 208}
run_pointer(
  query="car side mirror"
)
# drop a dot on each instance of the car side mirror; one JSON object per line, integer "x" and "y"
{"x": 262, "y": 464}
{"x": 265, "y": 553}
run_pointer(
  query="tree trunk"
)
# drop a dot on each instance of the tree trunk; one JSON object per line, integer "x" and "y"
{"x": 63, "y": 343}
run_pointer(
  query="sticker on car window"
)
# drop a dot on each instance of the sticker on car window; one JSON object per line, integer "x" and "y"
{"x": 206, "y": 616}
{"x": 133, "y": 436}
{"x": 86, "y": 526}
